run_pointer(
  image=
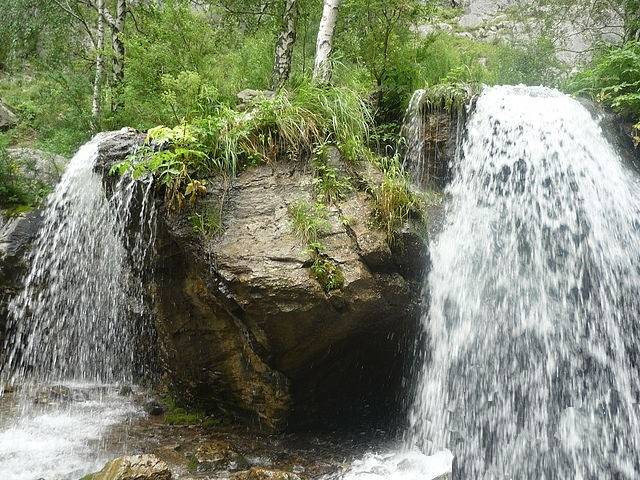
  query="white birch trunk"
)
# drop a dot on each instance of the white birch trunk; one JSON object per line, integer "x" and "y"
{"x": 322, "y": 66}
{"x": 118, "y": 52}
{"x": 284, "y": 47}
{"x": 97, "y": 81}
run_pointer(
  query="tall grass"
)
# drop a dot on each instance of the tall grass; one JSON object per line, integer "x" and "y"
{"x": 289, "y": 124}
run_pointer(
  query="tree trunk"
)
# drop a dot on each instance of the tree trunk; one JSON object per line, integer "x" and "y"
{"x": 284, "y": 47}
{"x": 322, "y": 66}
{"x": 118, "y": 54}
{"x": 97, "y": 81}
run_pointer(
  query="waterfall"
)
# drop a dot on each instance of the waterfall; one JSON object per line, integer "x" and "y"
{"x": 530, "y": 337}
{"x": 77, "y": 324}
{"x": 534, "y": 298}
{"x": 72, "y": 320}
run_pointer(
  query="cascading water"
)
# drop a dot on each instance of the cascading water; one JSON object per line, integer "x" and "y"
{"x": 76, "y": 321}
{"x": 531, "y": 334}
{"x": 534, "y": 298}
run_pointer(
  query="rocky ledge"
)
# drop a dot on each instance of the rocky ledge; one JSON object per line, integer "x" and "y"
{"x": 245, "y": 328}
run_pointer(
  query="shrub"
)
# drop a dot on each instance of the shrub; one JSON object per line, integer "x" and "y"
{"x": 613, "y": 79}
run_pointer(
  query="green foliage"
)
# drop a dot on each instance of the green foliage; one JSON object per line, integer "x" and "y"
{"x": 613, "y": 79}
{"x": 288, "y": 124}
{"x": 449, "y": 58}
{"x": 53, "y": 109}
{"x": 177, "y": 165}
{"x": 309, "y": 220}
{"x": 394, "y": 200}
{"x": 327, "y": 272}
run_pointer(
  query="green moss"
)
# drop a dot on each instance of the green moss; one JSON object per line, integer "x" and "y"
{"x": 177, "y": 415}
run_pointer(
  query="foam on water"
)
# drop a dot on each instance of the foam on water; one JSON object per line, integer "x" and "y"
{"x": 401, "y": 465}
{"x": 61, "y": 442}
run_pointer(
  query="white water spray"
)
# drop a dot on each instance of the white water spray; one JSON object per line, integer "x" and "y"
{"x": 77, "y": 322}
{"x": 534, "y": 299}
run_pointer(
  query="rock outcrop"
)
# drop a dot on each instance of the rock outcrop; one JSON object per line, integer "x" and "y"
{"x": 16, "y": 236}
{"x": 37, "y": 165}
{"x": 8, "y": 119}
{"x": 245, "y": 326}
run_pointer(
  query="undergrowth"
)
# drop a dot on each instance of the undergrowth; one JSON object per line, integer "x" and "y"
{"x": 614, "y": 80}
{"x": 290, "y": 124}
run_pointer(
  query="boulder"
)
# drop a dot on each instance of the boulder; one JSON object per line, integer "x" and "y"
{"x": 244, "y": 327}
{"x": 218, "y": 455}
{"x": 8, "y": 119}
{"x": 264, "y": 474}
{"x": 135, "y": 467}
{"x": 248, "y": 96}
{"x": 38, "y": 165}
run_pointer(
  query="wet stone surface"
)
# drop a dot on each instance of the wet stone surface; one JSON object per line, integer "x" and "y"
{"x": 240, "y": 452}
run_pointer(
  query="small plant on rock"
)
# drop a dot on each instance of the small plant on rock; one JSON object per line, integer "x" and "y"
{"x": 394, "y": 200}
{"x": 328, "y": 273}
{"x": 330, "y": 185}
{"x": 206, "y": 222}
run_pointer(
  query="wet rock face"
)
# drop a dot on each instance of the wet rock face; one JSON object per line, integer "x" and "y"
{"x": 135, "y": 467}
{"x": 16, "y": 236}
{"x": 244, "y": 325}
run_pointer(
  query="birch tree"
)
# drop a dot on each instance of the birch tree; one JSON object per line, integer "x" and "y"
{"x": 118, "y": 47}
{"x": 117, "y": 24}
{"x": 284, "y": 45}
{"x": 324, "y": 46}
{"x": 97, "y": 81}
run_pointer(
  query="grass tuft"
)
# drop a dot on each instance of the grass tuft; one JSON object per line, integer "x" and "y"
{"x": 309, "y": 220}
{"x": 394, "y": 202}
